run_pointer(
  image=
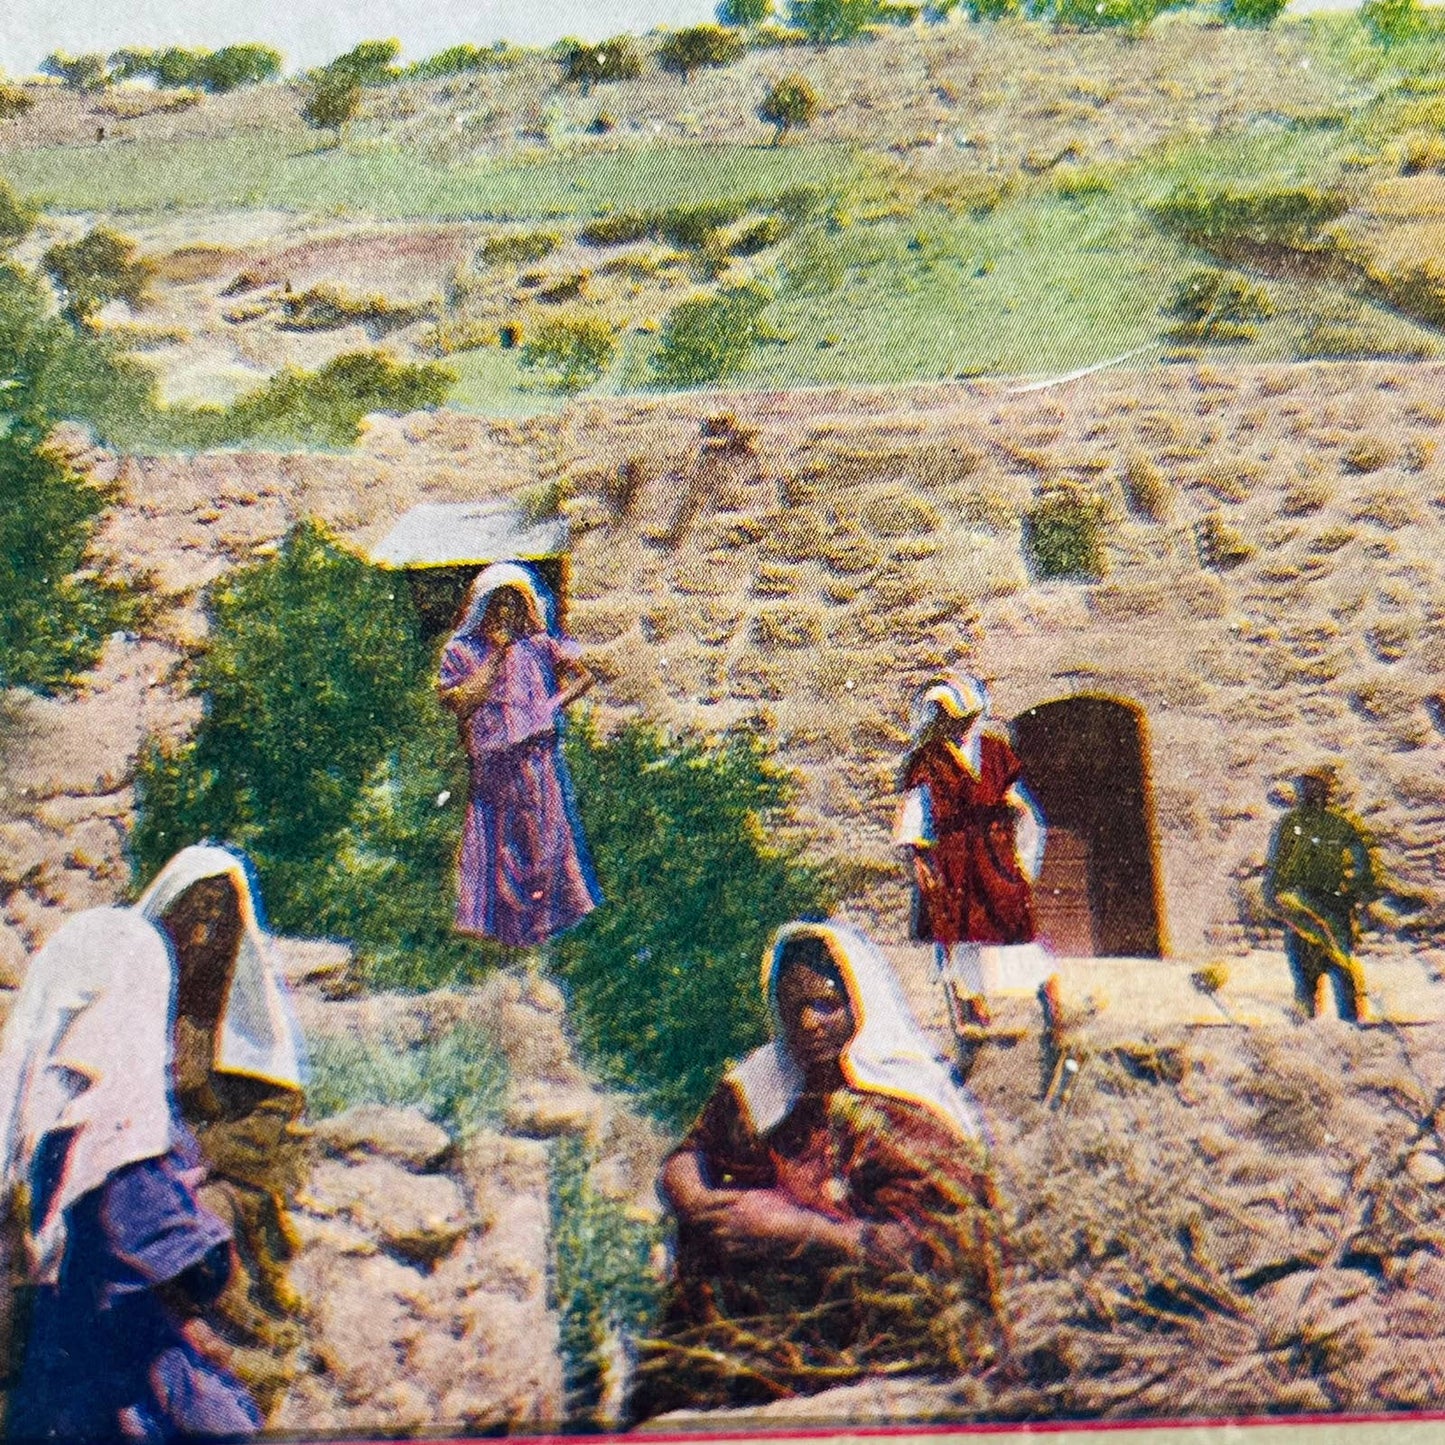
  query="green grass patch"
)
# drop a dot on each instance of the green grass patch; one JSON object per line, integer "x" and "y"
{"x": 494, "y": 382}
{"x": 286, "y": 171}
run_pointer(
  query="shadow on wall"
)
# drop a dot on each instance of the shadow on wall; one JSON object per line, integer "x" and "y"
{"x": 1084, "y": 763}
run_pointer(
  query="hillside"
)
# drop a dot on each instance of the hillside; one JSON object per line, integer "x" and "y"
{"x": 971, "y": 199}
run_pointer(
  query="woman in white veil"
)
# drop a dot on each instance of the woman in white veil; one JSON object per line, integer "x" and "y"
{"x": 834, "y": 1201}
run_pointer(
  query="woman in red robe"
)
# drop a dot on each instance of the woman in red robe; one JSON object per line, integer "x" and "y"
{"x": 835, "y": 1209}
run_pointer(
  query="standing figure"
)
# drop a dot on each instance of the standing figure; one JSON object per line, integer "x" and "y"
{"x": 835, "y": 1207}
{"x": 239, "y": 1076}
{"x": 525, "y": 874}
{"x": 975, "y": 836}
{"x": 1317, "y": 875}
{"x": 123, "y": 1259}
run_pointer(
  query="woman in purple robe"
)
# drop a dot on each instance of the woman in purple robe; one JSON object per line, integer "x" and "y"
{"x": 525, "y": 874}
{"x": 101, "y": 1179}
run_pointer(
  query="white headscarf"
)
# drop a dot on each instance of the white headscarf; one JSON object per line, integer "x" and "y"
{"x": 958, "y": 695}
{"x": 887, "y": 1054}
{"x": 87, "y": 1047}
{"x": 493, "y": 579}
{"x": 257, "y": 1035}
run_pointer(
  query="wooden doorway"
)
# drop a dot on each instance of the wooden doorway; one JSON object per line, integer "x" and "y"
{"x": 1084, "y": 763}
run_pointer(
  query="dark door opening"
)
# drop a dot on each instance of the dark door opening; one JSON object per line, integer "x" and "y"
{"x": 1083, "y": 761}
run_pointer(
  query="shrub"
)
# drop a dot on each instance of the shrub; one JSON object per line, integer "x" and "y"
{"x": 1285, "y": 217}
{"x": 699, "y": 46}
{"x": 16, "y": 216}
{"x": 53, "y": 616}
{"x": 664, "y": 975}
{"x": 829, "y": 22}
{"x": 458, "y": 1080}
{"x": 687, "y": 227}
{"x": 98, "y": 268}
{"x": 602, "y": 1279}
{"x": 373, "y": 62}
{"x": 1135, "y": 15}
{"x": 1389, "y": 21}
{"x": 1217, "y": 306}
{"x": 586, "y": 65}
{"x": 705, "y": 340}
{"x": 790, "y": 104}
{"x": 308, "y": 676}
{"x": 1251, "y": 14}
{"x": 233, "y": 66}
{"x": 571, "y": 352}
{"x": 992, "y": 9}
{"x": 459, "y": 60}
{"x": 1147, "y": 492}
{"x": 330, "y": 100}
{"x": 13, "y": 102}
{"x": 741, "y": 13}
{"x": 1063, "y": 534}
{"x": 79, "y": 72}
{"x": 617, "y": 230}
{"x": 325, "y": 407}
{"x": 519, "y": 249}
{"x": 1419, "y": 153}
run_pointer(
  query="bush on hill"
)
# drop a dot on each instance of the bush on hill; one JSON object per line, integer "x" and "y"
{"x": 16, "y": 216}
{"x": 215, "y": 71}
{"x": 373, "y": 62}
{"x": 831, "y": 22}
{"x": 585, "y": 64}
{"x": 460, "y": 60}
{"x": 684, "y": 51}
{"x": 742, "y": 13}
{"x": 790, "y": 104}
{"x": 1063, "y": 534}
{"x": 707, "y": 339}
{"x": 1217, "y": 306}
{"x": 78, "y": 72}
{"x": 99, "y": 268}
{"x": 13, "y": 102}
{"x": 330, "y": 100}
{"x": 1288, "y": 216}
{"x": 1251, "y": 14}
{"x": 571, "y": 352}
{"x": 1390, "y": 21}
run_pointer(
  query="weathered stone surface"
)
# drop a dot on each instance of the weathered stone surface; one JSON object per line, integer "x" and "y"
{"x": 546, "y": 1110}
{"x": 419, "y": 1216}
{"x": 13, "y": 957}
{"x": 406, "y": 1135}
{"x": 25, "y": 848}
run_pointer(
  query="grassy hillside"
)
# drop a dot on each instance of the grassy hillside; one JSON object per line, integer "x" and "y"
{"x": 970, "y": 200}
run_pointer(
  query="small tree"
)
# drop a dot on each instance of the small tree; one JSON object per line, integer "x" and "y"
{"x": 1251, "y": 14}
{"x": 993, "y": 9}
{"x": 373, "y": 62}
{"x": 79, "y": 72}
{"x": 831, "y": 22}
{"x": 586, "y": 65}
{"x": 743, "y": 13}
{"x": 571, "y": 351}
{"x": 685, "y": 51}
{"x": 13, "y": 102}
{"x": 16, "y": 216}
{"x": 1389, "y": 21}
{"x": 98, "y": 268}
{"x": 233, "y": 66}
{"x": 331, "y": 100}
{"x": 790, "y": 104}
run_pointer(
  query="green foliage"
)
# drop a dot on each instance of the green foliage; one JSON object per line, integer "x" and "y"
{"x": 459, "y": 60}
{"x": 790, "y": 104}
{"x": 1063, "y": 534}
{"x": 330, "y": 99}
{"x": 585, "y": 64}
{"x": 830, "y": 22}
{"x": 684, "y": 51}
{"x": 373, "y": 62}
{"x": 602, "y": 1280}
{"x": 1251, "y": 14}
{"x": 687, "y": 227}
{"x": 992, "y": 9}
{"x": 14, "y": 102}
{"x": 52, "y": 371}
{"x": 571, "y": 352}
{"x": 1387, "y": 22}
{"x": 17, "y": 216}
{"x": 325, "y": 407}
{"x": 308, "y": 674}
{"x": 511, "y": 249}
{"x": 79, "y": 72}
{"x": 708, "y": 339}
{"x": 458, "y": 1080}
{"x": 663, "y": 977}
{"x": 100, "y": 267}
{"x": 1287, "y": 216}
{"x": 742, "y": 13}
{"x": 1218, "y": 306}
{"x": 53, "y": 616}
{"x": 1132, "y": 15}
{"x": 233, "y": 66}
{"x": 215, "y": 71}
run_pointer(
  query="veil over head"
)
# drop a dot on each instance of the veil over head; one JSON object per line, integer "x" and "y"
{"x": 507, "y": 574}
{"x": 257, "y": 1035}
{"x": 888, "y": 1053}
{"x": 958, "y": 695}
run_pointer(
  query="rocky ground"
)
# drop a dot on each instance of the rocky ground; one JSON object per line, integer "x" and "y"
{"x": 1225, "y": 1220}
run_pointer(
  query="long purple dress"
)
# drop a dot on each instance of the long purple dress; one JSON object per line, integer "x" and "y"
{"x": 525, "y": 875}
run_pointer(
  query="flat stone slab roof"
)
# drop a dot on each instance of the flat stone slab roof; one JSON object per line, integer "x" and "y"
{"x": 453, "y": 534}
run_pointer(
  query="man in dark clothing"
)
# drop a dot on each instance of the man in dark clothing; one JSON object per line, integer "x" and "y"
{"x": 1318, "y": 874}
